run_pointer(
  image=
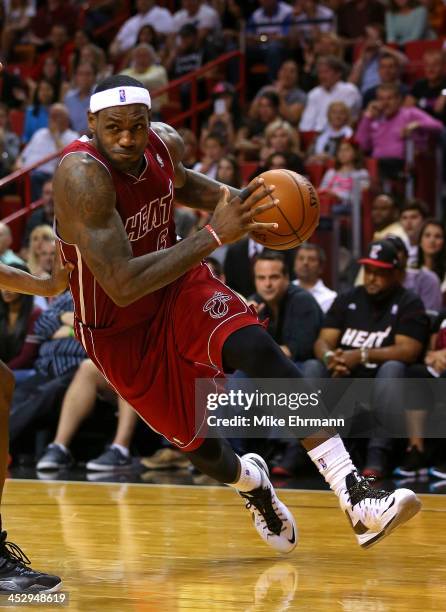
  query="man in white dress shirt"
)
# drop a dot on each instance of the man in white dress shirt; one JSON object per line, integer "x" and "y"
{"x": 308, "y": 266}
{"x": 331, "y": 88}
{"x": 201, "y": 15}
{"x": 148, "y": 13}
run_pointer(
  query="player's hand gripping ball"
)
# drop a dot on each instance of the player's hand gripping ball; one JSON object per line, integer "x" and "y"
{"x": 297, "y": 213}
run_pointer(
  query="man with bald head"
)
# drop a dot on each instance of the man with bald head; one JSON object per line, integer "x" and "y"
{"x": 427, "y": 92}
{"x": 44, "y": 142}
{"x": 385, "y": 214}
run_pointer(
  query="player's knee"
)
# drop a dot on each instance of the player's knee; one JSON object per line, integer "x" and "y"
{"x": 7, "y": 384}
{"x": 249, "y": 349}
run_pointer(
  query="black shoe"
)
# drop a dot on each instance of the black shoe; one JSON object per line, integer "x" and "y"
{"x": 17, "y": 577}
{"x": 55, "y": 458}
{"x": 414, "y": 464}
{"x": 439, "y": 471}
{"x": 111, "y": 459}
{"x": 375, "y": 513}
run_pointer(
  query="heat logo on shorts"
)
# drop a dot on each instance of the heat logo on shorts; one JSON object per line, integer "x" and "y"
{"x": 216, "y": 306}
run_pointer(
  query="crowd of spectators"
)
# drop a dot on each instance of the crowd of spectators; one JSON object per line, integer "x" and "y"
{"x": 336, "y": 90}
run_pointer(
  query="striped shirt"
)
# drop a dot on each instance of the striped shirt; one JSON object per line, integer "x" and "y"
{"x": 56, "y": 357}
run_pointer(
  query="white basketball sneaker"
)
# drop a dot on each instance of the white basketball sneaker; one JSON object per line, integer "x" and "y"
{"x": 272, "y": 519}
{"x": 374, "y": 513}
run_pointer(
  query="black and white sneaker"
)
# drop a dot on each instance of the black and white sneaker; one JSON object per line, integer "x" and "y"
{"x": 111, "y": 459}
{"x": 274, "y": 522}
{"x": 374, "y": 513}
{"x": 55, "y": 458}
{"x": 414, "y": 464}
{"x": 17, "y": 577}
{"x": 439, "y": 471}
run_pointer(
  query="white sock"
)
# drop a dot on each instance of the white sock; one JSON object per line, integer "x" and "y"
{"x": 333, "y": 462}
{"x": 124, "y": 450}
{"x": 250, "y": 476}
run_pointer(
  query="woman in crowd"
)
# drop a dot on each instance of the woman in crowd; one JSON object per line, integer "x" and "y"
{"x": 280, "y": 137}
{"x": 250, "y": 137}
{"x": 149, "y": 36}
{"x": 39, "y": 235}
{"x": 292, "y": 97}
{"x": 228, "y": 171}
{"x": 36, "y": 115}
{"x": 18, "y": 344}
{"x": 52, "y": 72}
{"x": 406, "y": 20}
{"x": 432, "y": 249}
{"x": 144, "y": 66}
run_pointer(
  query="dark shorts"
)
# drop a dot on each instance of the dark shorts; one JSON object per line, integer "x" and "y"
{"x": 153, "y": 365}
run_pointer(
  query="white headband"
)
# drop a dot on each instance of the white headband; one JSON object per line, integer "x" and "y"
{"x": 119, "y": 96}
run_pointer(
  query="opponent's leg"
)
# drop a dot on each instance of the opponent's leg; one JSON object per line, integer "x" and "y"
{"x": 6, "y": 391}
{"x": 372, "y": 513}
{"x": 250, "y": 477}
{"x": 15, "y": 573}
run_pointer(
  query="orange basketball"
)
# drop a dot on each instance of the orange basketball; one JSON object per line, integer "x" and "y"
{"x": 297, "y": 213}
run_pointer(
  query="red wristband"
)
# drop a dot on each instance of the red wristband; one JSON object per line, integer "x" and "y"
{"x": 214, "y": 234}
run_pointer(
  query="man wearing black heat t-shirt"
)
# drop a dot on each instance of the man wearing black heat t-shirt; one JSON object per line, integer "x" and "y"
{"x": 373, "y": 331}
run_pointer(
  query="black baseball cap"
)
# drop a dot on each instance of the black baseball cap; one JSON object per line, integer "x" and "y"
{"x": 381, "y": 254}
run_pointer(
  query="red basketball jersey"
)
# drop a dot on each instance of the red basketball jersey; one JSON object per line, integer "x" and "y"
{"x": 145, "y": 206}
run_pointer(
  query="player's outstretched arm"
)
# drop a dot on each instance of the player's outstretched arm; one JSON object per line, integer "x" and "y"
{"x": 16, "y": 280}
{"x": 191, "y": 188}
{"x": 86, "y": 214}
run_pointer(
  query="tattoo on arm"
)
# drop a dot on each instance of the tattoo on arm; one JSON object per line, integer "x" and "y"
{"x": 86, "y": 213}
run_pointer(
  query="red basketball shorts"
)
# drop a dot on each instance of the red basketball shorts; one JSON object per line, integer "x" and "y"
{"x": 153, "y": 365}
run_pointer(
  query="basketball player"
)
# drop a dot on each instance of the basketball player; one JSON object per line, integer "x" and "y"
{"x": 153, "y": 318}
{"x": 15, "y": 573}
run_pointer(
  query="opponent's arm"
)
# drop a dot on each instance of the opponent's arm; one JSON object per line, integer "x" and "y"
{"x": 87, "y": 216}
{"x": 16, "y": 280}
{"x": 191, "y": 188}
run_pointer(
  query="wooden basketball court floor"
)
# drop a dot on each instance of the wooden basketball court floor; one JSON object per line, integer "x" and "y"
{"x": 141, "y": 548}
